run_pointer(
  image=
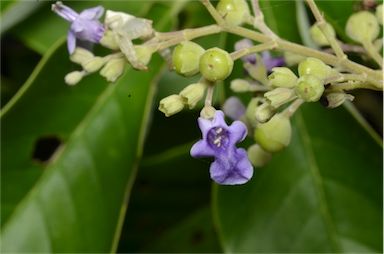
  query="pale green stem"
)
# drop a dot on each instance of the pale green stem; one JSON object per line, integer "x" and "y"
{"x": 372, "y": 52}
{"x": 322, "y": 24}
{"x": 254, "y": 49}
{"x": 258, "y": 20}
{"x": 214, "y": 13}
{"x": 351, "y": 85}
{"x": 209, "y": 96}
{"x": 292, "y": 108}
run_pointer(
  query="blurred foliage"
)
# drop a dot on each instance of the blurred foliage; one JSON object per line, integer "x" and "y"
{"x": 72, "y": 157}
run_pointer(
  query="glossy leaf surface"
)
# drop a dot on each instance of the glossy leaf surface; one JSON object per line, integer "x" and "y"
{"x": 322, "y": 194}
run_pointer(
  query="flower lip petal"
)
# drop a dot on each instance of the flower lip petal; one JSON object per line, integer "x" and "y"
{"x": 92, "y": 13}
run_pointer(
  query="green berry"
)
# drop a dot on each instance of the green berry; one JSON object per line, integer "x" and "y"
{"x": 362, "y": 27}
{"x": 234, "y": 12}
{"x": 275, "y": 134}
{"x": 185, "y": 58}
{"x": 282, "y": 77}
{"x": 318, "y": 35}
{"x": 315, "y": 67}
{"x": 258, "y": 156}
{"x": 379, "y": 14}
{"x": 309, "y": 88}
{"x": 215, "y": 64}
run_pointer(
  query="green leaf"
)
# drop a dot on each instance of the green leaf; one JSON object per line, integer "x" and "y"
{"x": 337, "y": 14}
{"x": 280, "y": 17}
{"x": 16, "y": 11}
{"x": 321, "y": 194}
{"x": 77, "y": 199}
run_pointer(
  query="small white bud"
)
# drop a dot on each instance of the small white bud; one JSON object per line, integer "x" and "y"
{"x": 113, "y": 69}
{"x": 279, "y": 96}
{"x": 94, "y": 64}
{"x": 171, "y": 105}
{"x": 74, "y": 77}
{"x": 193, "y": 93}
{"x": 240, "y": 85}
{"x": 81, "y": 55}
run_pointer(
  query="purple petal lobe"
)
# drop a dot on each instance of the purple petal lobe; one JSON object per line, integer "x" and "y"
{"x": 92, "y": 13}
{"x": 271, "y": 62}
{"x": 238, "y": 132}
{"x": 232, "y": 170}
{"x": 71, "y": 42}
{"x": 233, "y": 108}
{"x": 201, "y": 149}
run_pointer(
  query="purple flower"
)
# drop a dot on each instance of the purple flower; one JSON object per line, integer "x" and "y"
{"x": 268, "y": 60}
{"x": 231, "y": 165}
{"x": 84, "y": 26}
{"x": 234, "y": 108}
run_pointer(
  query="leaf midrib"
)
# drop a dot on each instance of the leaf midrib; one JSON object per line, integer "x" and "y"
{"x": 318, "y": 183}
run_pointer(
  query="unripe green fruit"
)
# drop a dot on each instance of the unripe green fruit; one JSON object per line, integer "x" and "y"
{"x": 362, "y": 27}
{"x": 275, "y": 134}
{"x": 258, "y": 156}
{"x": 379, "y": 14}
{"x": 185, "y": 58}
{"x": 234, "y": 12}
{"x": 309, "y": 88}
{"x": 282, "y": 77}
{"x": 318, "y": 36}
{"x": 215, "y": 64}
{"x": 315, "y": 67}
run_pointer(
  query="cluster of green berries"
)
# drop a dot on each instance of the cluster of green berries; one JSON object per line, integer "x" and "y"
{"x": 189, "y": 59}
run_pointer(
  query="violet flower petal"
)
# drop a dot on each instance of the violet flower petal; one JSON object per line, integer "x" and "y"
{"x": 234, "y": 108}
{"x": 65, "y": 12}
{"x": 201, "y": 149}
{"x": 238, "y": 132}
{"x": 92, "y": 13}
{"x": 71, "y": 42}
{"x": 232, "y": 170}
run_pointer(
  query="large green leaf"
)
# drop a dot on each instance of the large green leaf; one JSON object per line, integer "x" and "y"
{"x": 75, "y": 199}
{"x": 321, "y": 194}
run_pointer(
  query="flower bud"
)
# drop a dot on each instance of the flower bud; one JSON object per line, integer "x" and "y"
{"x": 74, "y": 77}
{"x": 282, "y": 77}
{"x": 234, "y": 12}
{"x": 275, "y": 134}
{"x": 240, "y": 85}
{"x": 109, "y": 40}
{"x": 279, "y": 96}
{"x": 81, "y": 55}
{"x": 233, "y": 108}
{"x": 250, "y": 113}
{"x": 318, "y": 36}
{"x": 292, "y": 58}
{"x": 208, "y": 112}
{"x": 264, "y": 112}
{"x": 143, "y": 54}
{"x": 171, "y": 105}
{"x": 193, "y": 94}
{"x": 94, "y": 64}
{"x": 215, "y": 64}
{"x": 362, "y": 27}
{"x": 185, "y": 58}
{"x": 113, "y": 69}
{"x": 379, "y": 14}
{"x": 334, "y": 100}
{"x": 315, "y": 67}
{"x": 309, "y": 88}
{"x": 258, "y": 156}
